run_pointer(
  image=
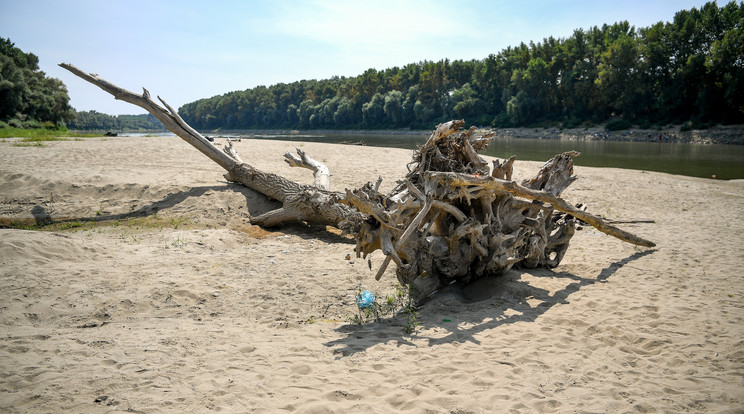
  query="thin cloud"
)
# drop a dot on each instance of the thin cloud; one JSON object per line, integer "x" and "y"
{"x": 358, "y": 30}
{"x": 185, "y": 50}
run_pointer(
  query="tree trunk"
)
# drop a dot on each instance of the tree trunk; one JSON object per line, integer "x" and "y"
{"x": 451, "y": 218}
{"x": 313, "y": 204}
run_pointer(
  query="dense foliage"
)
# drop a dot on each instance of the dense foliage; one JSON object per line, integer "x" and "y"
{"x": 690, "y": 69}
{"x": 27, "y": 97}
{"x": 93, "y": 120}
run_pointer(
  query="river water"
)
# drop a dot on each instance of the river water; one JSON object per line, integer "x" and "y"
{"x": 697, "y": 160}
{"x": 718, "y": 161}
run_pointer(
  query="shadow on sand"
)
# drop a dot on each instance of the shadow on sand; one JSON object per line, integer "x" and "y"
{"x": 499, "y": 294}
{"x": 255, "y": 203}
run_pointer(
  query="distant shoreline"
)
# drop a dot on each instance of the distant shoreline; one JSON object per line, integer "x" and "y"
{"x": 731, "y": 134}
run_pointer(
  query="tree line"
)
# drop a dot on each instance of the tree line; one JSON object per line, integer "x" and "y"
{"x": 93, "y": 120}
{"x": 687, "y": 70}
{"x": 28, "y": 98}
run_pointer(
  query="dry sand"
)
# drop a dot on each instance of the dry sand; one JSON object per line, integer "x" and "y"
{"x": 194, "y": 310}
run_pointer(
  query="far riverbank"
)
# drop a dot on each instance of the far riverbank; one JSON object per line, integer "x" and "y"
{"x": 730, "y": 134}
{"x": 673, "y": 153}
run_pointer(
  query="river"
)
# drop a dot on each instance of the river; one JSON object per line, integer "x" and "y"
{"x": 718, "y": 161}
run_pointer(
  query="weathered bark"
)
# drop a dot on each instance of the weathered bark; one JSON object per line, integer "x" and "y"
{"x": 320, "y": 172}
{"x": 463, "y": 221}
{"x": 300, "y": 202}
{"x": 452, "y": 217}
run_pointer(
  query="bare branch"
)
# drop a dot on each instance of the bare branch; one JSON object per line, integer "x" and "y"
{"x": 321, "y": 174}
{"x": 450, "y": 218}
{"x": 463, "y": 180}
{"x": 168, "y": 117}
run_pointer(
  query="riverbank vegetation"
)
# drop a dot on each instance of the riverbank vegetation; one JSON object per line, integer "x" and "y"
{"x": 43, "y": 134}
{"x": 28, "y": 98}
{"x": 688, "y": 71}
{"x": 94, "y": 120}
{"x": 34, "y": 105}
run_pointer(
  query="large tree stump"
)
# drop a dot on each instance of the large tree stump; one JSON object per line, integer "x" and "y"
{"x": 451, "y": 217}
{"x": 471, "y": 222}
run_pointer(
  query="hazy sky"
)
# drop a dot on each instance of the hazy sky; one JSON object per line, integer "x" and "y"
{"x": 186, "y": 50}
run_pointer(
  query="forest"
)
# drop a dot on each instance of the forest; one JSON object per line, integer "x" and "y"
{"x": 94, "y": 120}
{"x": 689, "y": 70}
{"x": 28, "y": 98}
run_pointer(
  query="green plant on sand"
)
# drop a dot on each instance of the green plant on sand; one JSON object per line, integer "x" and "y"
{"x": 402, "y": 302}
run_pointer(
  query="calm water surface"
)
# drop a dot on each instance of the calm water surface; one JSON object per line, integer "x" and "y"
{"x": 697, "y": 160}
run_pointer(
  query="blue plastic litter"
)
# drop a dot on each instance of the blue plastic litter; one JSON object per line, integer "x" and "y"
{"x": 365, "y": 299}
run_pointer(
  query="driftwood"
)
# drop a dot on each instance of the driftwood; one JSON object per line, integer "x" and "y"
{"x": 451, "y": 217}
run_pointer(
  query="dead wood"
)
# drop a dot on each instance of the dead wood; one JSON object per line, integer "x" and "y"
{"x": 300, "y": 202}
{"x": 320, "y": 172}
{"x": 451, "y": 217}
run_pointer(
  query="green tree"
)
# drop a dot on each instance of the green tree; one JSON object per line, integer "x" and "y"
{"x": 726, "y": 67}
{"x": 293, "y": 117}
{"x": 306, "y": 111}
{"x": 344, "y": 115}
{"x": 688, "y": 68}
{"x": 393, "y": 108}
{"x": 618, "y": 77}
{"x": 373, "y": 112}
{"x": 422, "y": 114}
{"x": 25, "y": 91}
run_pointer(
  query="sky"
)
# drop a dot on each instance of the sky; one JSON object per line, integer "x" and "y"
{"x": 186, "y": 50}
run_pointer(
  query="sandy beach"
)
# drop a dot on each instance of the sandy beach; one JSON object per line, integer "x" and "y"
{"x": 172, "y": 302}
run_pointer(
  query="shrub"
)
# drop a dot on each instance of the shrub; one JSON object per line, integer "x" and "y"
{"x": 694, "y": 124}
{"x": 571, "y": 122}
{"x": 645, "y": 124}
{"x": 501, "y": 121}
{"x": 32, "y": 124}
{"x": 618, "y": 125}
{"x": 481, "y": 120}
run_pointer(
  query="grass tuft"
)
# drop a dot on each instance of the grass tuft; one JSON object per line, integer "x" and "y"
{"x": 75, "y": 224}
{"x": 402, "y": 302}
{"x": 43, "y": 134}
